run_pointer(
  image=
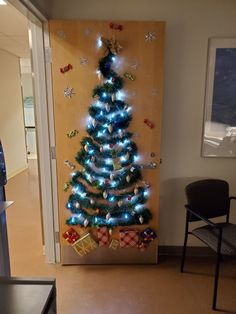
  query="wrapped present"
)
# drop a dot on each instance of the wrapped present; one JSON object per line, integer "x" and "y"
{"x": 129, "y": 238}
{"x": 85, "y": 244}
{"x": 114, "y": 245}
{"x": 148, "y": 235}
{"x": 103, "y": 238}
{"x": 71, "y": 236}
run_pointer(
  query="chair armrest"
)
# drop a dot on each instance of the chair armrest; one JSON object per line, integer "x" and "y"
{"x": 207, "y": 221}
{"x": 232, "y": 198}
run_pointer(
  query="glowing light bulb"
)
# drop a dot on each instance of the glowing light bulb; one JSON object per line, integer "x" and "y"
{"x": 109, "y": 161}
{"x": 113, "y": 58}
{"x": 120, "y": 95}
{"x": 138, "y": 207}
{"x": 145, "y": 193}
{"x": 126, "y": 216}
{"x": 69, "y": 205}
{"x": 136, "y": 158}
{"x": 123, "y": 158}
{"x": 104, "y": 95}
{"x": 99, "y": 42}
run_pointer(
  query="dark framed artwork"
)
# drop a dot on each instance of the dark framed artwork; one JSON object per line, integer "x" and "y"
{"x": 219, "y": 131}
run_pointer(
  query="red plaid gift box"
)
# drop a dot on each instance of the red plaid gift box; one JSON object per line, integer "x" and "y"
{"x": 102, "y": 236}
{"x": 71, "y": 236}
{"x": 129, "y": 238}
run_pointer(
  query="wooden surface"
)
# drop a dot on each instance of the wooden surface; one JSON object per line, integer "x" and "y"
{"x": 144, "y": 94}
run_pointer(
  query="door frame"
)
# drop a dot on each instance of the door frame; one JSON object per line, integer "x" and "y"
{"x": 42, "y": 85}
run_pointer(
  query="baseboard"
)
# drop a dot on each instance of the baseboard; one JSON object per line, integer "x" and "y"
{"x": 18, "y": 171}
{"x": 191, "y": 251}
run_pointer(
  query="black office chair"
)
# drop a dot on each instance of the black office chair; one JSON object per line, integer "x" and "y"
{"x": 209, "y": 199}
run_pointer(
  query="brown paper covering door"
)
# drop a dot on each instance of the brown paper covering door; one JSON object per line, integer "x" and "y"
{"x": 74, "y": 42}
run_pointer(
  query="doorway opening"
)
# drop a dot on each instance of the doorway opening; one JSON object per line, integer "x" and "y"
{"x": 18, "y": 137}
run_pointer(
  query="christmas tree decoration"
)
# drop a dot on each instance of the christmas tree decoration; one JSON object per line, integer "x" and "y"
{"x": 110, "y": 128}
{"x": 128, "y": 178}
{"x": 102, "y": 234}
{"x": 86, "y": 222}
{"x": 69, "y": 92}
{"x": 94, "y": 123}
{"x": 66, "y": 68}
{"x": 110, "y": 231}
{"x": 149, "y": 123}
{"x": 105, "y": 194}
{"x": 86, "y": 147}
{"x": 141, "y": 219}
{"x": 107, "y": 107}
{"x": 66, "y": 186}
{"x": 77, "y": 205}
{"x": 105, "y": 185}
{"x": 85, "y": 244}
{"x": 148, "y": 235}
{"x": 129, "y": 76}
{"x": 114, "y": 245}
{"x": 129, "y": 238}
{"x": 72, "y": 133}
{"x": 61, "y": 34}
{"x": 116, "y": 26}
{"x": 69, "y": 164}
{"x": 83, "y": 61}
{"x": 150, "y": 36}
{"x": 134, "y": 66}
{"x": 111, "y": 45}
{"x": 71, "y": 236}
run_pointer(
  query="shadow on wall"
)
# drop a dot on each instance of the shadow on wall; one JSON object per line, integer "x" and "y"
{"x": 173, "y": 213}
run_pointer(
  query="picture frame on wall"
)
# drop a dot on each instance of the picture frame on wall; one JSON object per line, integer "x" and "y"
{"x": 219, "y": 129}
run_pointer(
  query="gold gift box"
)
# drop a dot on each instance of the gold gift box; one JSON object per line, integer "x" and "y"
{"x": 85, "y": 244}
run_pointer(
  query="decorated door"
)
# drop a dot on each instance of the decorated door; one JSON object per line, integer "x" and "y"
{"x": 108, "y": 89}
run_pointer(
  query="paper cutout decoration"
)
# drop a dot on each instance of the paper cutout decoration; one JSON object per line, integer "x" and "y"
{"x": 69, "y": 92}
{"x": 85, "y": 244}
{"x": 150, "y": 36}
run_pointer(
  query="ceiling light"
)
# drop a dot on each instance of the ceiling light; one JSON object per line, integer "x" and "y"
{"x": 2, "y": 2}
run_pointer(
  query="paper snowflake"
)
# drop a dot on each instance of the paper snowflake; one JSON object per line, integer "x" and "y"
{"x": 83, "y": 61}
{"x": 150, "y": 36}
{"x": 61, "y": 34}
{"x": 69, "y": 92}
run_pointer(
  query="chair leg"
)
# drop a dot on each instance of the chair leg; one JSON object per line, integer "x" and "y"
{"x": 184, "y": 252}
{"x": 216, "y": 280}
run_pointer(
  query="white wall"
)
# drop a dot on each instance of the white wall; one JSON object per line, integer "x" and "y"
{"x": 189, "y": 25}
{"x": 11, "y": 114}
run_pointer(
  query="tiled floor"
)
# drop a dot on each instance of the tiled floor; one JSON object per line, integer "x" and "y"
{"x": 157, "y": 289}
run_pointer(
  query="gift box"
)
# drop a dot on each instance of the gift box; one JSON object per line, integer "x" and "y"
{"x": 71, "y": 236}
{"x": 148, "y": 235}
{"x": 114, "y": 245}
{"x": 103, "y": 237}
{"x": 129, "y": 238}
{"x": 85, "y": 244}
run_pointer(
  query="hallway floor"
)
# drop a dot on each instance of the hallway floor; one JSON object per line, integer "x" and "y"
{"x": 117, "y": 289}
